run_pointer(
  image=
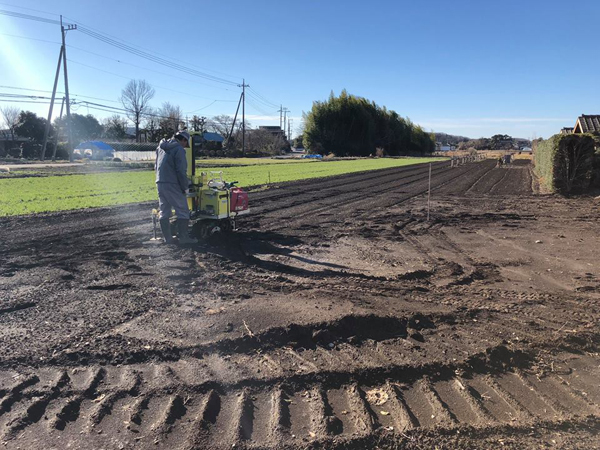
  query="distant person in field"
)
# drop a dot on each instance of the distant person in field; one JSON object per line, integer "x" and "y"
{"x": 172, "y": 184}
{"x": 500, "y": 161}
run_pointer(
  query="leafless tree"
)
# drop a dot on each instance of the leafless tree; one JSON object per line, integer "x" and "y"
{"x": 152, "y": 124}
{"x": 263, "y": 141}
{"x": 115, "y": 127}
{"x": 10, "y": 114}
{"x": 221, "y": 124}
{"x": 171, "y": 119}
{"x": 198, "y": 123}
{"x": 136, "y": 100}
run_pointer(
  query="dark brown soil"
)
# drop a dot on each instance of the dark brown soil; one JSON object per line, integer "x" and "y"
{"x": 336, "y": 317}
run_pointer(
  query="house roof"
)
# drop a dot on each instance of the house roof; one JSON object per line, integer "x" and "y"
{"x": 214, "y": 137}
{"x": 588, "y": 124}
{"x": 98, "y": 145}
{"x": 566, "y": 130}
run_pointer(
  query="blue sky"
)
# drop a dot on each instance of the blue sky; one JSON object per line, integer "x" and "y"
{"x": 524, "y": 68}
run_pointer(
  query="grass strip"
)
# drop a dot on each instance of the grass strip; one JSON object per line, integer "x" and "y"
{"x": 19, "y": 196}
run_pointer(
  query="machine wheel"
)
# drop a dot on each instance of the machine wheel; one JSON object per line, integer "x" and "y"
{"x": 226, "y": 226}
{"x": 213, "y": 228}
{"x": 206, "y": 228}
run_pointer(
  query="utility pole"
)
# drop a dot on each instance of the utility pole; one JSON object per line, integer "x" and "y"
{"x": 289, "y": 130}
{"x": 280, "y": 111}
{"x": 47, "y": 130}
{"x": 62, "y": 105}
{"x": 64, "y": 53}
{"x": 244, "y": 86}
{"x": 234, "y": 118}
{"x": 285, "y": 111}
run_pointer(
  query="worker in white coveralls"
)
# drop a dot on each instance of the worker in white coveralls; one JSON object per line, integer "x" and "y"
{"x": 172, "y": 184}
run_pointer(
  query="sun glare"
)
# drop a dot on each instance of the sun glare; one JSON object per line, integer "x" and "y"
{"x": 19, "y": 58}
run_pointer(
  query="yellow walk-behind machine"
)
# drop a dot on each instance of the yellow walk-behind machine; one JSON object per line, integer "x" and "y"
{"x": 214, "y": 203}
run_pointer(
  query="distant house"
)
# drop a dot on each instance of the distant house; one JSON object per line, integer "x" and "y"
{"x": 7, "y": 142}
{"x": 274, "y": 130}
{"x": 566, "y": 130}
{"x": 212, "y": 141}
{"x": 440, "y": 147}
{"x": 587, "y": 124}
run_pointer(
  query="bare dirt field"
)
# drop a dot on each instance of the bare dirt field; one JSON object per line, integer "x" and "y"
{"x": 336, "y": 317}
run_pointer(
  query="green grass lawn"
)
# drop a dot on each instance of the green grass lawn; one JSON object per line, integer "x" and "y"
{"x": 58, "y": 193}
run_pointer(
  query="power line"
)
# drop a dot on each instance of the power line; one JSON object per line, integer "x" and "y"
{"x": 154, "y": 58}
{"x": 126, "y": 63}
{"x": 258, "y": 104}
{"x": 267, "y": 105}
{"x": 118, "y": 43}
{"x": 30, "y": 38}
{"x": 11, "y": 95}
{"x": 28, "y": 9}
{"x": 126, "y": 47}
{"x": 123, "y": 62}
{"x": 204, "y": 107}
{"x": 21, "y": 15}
{"x": 259, "y": 109}
{"x": 24, "y": 101}
{"x": 150, "y": 70}
{"x": 153, "y": 85}
{"x": 264, "y": 99}
{"x": 59, "y": 92}
{"x": 145, "y": 49}
{"x": 91, "y": 105}
{"x": 28, "y": 17}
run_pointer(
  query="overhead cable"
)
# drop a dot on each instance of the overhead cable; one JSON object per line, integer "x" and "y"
{"x": 153, "y": 85}
{"x": 28, "y": 17}
{"x": 263, "y": 98}
{"x": 154, "y": 58}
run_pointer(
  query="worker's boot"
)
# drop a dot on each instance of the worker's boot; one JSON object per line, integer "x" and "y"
{"x": 165, "y": 227}
{"x": 182, "y": 228}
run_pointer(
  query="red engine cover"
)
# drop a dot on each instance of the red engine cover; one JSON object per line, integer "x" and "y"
{"x": 239, "y": 200}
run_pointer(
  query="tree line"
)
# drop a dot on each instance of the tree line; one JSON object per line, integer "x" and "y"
{"x": 150, "y": 125}
{"x": 349, "y": 125}
{"x": 496, "y": 142}
{"x": 24, "y": 133}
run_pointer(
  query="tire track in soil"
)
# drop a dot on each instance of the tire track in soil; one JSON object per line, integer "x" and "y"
{"x": 298, "y": 412}
{"x": 313, "y": 403}
{"x": 488, "y": 168}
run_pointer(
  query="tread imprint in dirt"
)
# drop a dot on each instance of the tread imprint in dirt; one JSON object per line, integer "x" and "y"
{"x": 88, "y": 402}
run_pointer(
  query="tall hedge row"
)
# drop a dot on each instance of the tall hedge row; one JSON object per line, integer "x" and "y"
{"x": 565, "y": 163}
{"x": 354, "y": 126}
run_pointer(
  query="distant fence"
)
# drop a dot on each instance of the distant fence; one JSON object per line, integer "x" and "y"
{"x": 133, "y": 151}
{"x": 135, "y": 155}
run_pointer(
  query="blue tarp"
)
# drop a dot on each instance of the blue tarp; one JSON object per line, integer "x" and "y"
{"x": 99, "y": 145}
